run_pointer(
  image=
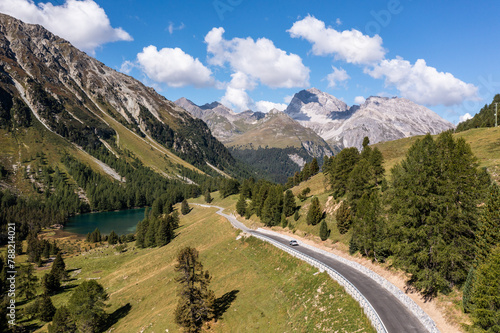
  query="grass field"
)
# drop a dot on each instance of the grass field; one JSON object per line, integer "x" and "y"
{"x": 484, "y": 142}
{"x": 261, "y": 287}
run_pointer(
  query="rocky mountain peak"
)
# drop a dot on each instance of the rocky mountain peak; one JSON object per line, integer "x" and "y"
{"x": 314, "y": 105}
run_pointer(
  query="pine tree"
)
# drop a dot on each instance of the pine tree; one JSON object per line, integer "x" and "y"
{"x": 343, "y": 217}
{"x": 208, "y": 197}
{"x": 314, "y": 167}
{"x": 241, "y": 205}
{"x": 185, "y": 207}
{"x": 289, "y": 205}
{"x": 141, "y": 229}
{"x": 196, "y": 300}
{"x": 323, "y": 231}
{"x": 360, "y": 182}
{"x": 435, "y": 195}
{"x": 59, "y": 268}
{"x": 62, "y": 322}
{"x": 50, "y": 283}
{"x": 46, "y": 309}
{"x": 273, "y": 207}
{"x": 488, "y": 235}
{"x": 376, "y": 160}
{"x": 368, "y": 227}
{"x": 305, "y": 173}
{"x": 86, "y": 306}
{"x": 27, "y": 282}
{"x": 164, "y": 234}
{"x": 296, "y": 216}
{"x": 315, "y": 213}
{"x": 112, "y": 238}
{"x": 467, "y": 291}
{"x": 340, "y": 168}
{"x": 150, "y": 237}
{"x": 486, "y": 295}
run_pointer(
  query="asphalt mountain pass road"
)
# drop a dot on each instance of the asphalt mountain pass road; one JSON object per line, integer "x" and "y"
{"x": 395, "y": 316}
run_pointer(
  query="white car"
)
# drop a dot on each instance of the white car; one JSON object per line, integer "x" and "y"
{"x": 293, "y": 242}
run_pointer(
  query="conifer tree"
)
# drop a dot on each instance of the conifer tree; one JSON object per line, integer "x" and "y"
{"x": 315, "y": 213}
{"x": 289, "y": 205}
{"x": 468, "y": 289}
{"x": 175, "y": 219}
{"x": 165, "y": 233}
{"x": 141, "y": 229}
{"x": 112, "y": 238}
{"x": 86, "y": 306}
{"x": 46, "y": 309}
{"x": 150, "y": 237}
{"x": 296, "y": 216}
{"x": 305, "y": 173}
{"x": 27, "y": 282}
{"x": 208, "y": 197}
{"x": 436, "y": 191}
{"x": 340, "y": 168}
{"x": 360, "y": 182}
{"x": 376, "y": 160}
{"x": 59, "y": 268}
{"x": 368, "y": 227}
{"x": 241, "y": 205}
{"x": 196, "y": 300}
{"x": 323, "y": 231}
{"x": 185, "y": 209}
{"x": 273, "y": 207}
{"x": 50, "y": 284}
{"x": 486, "y": 295}
{"x": 488, "y": 235}
{"x": 343, "y": 217}
{"x": 62, "y": 322}
{"x": 314, "y": 167}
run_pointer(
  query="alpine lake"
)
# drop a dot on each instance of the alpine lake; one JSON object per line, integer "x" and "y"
{"x": 123, "y": 222}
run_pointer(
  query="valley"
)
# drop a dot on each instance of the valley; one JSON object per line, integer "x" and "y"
{"x": 108, "y": 184}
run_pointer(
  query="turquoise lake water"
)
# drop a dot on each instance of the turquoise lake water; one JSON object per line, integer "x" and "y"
{"x": 122, "y": 222}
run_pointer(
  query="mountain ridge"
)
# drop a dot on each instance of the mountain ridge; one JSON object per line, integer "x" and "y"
{"x": 76, "y": 96}
{"x": 379, "y": 118}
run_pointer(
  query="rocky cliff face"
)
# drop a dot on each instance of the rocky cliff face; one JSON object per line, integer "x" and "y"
{"x": 379, "y": 118}
{"x": 72, "y": 93}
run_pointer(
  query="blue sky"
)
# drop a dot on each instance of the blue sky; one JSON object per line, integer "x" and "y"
{"x": 257, "y": 54}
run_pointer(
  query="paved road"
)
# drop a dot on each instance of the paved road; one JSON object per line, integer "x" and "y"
{"x": 395, "y": 316}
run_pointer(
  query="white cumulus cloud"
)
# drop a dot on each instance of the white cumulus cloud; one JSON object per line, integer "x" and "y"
{"x": 174, "y": 67}
{"x": 351, "y": 46}
{"x": 337, "y": 76}
{"x": 266, "y": 106}
{"x": 465, "y": 117}
{"x": 423, "y": 84}
{"x": 259, "y": 59}
{"x": 359, "y": 100}
{"x": 82, "y": 22}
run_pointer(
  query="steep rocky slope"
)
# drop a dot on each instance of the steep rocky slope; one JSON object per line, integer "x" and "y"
{"x": 84, "y": 101}
{"x": 379, "y": 118}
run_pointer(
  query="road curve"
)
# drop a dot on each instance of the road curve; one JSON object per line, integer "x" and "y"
{"x": 396, "y": 317}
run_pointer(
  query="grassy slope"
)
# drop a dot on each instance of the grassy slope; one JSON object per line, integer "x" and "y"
{"x": 274, "y": 291}
{"x": 24, "y": 144}
{"x": 485, "y": 144}
{"x": 277, "y": 132}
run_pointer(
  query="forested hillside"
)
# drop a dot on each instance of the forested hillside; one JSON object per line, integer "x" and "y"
{"x": 484, "y": 118}
{"x": 433, "y": 214}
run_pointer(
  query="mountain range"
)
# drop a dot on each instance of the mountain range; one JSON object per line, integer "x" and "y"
{"x": 91, "y": 105}
{"x": 331, "y": 119}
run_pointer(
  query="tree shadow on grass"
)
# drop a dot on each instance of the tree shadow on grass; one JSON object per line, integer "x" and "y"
{"x": 117, "y": 315}
{"x": 223, "y": 303}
